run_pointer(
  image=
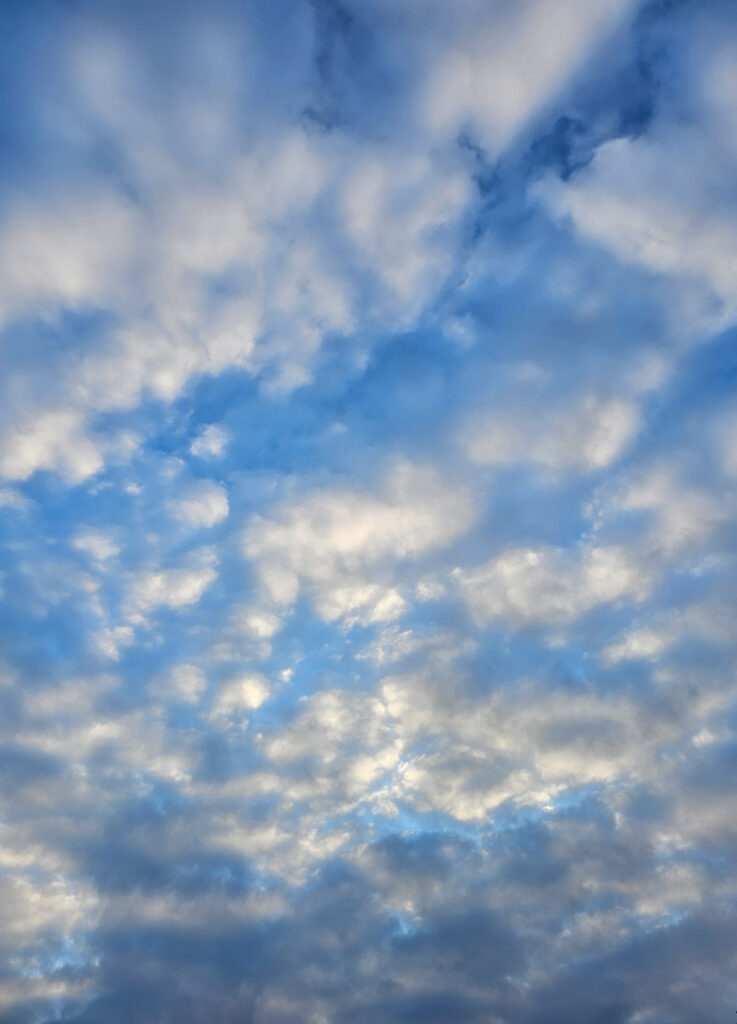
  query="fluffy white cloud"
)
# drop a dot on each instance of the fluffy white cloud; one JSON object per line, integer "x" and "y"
{"x": 170, "y": 588}
{"x": 403, "y": 215}
{"x": 583, "y": 435}
{"x": 683, "y": 515}
{"x": 99, "y": 545}
{"x": 551, "y": 586}
{"x": 399, "y": 216}
{"x": 257, "y": 623}
{"x": 65, "y": 254}
{"x": 341, "y": 545}
{"x": 53, "y": 440}
{"x": 705, "y": 620}
{"x": 357, "y": 743}
{"x": 358, "y": 230}
{"x": 662, "y": 200}
{"x": 637, "y": 198}
{"x": 239, "y": 694}
{"x": 185, "y": 683}
{"x": 209, "y": 442}
{"x": 10, "y": 498}
{"x": 639, "y": 643}
{"x": 202, "y": 504}
{"x": 466, "y": 754}
{"x": 499, "y": 65}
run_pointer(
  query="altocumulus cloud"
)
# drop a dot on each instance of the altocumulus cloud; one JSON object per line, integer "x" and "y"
{"x": 367, "y": 503}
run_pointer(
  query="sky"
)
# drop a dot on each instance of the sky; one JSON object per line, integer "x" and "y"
{"x": 368, "y": 477}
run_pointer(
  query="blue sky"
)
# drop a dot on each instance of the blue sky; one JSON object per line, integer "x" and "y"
{"x": 368, "y": 474}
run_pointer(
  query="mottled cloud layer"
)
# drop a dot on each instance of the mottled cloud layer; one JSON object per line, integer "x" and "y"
{"x": 368, "y": 482}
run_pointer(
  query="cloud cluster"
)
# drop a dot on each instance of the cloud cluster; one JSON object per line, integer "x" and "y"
{"x": 337, "y": 543}
{"x": 368, "y": 493}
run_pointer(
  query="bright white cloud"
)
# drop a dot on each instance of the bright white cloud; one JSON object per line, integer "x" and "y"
{"x": 203, "y": 504}
{"x": 550, "y": 586}
{"x": 257, "y": 623}
{"x": 340, "y": 545}
{"x": 357, "y": 742}
{"x": 662, "y": 200}
{"x": 583, "y": 435}
{"x": 210, "y": 442}
{"x": 54, "y": 440}
{"x": 185, "y": 683}
{"x": 639, "y": 643}
{"x": 499, "y": 65}
{"x": 170, "y": 588}
{"x": 64, "y": 254}
{"x": 242, "y": 693}
{"x": 100, "y": 546}
{"x": 683, "y": 515}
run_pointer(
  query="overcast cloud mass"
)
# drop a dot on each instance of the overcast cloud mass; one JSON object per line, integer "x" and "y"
{"x": 368, "y": 478}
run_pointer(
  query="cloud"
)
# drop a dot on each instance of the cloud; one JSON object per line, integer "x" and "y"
{"x": 244, "y": 693}
{"x": 183, "y": 682}
{"x": 97, "y": 544}
{"x": 499, "y": 67}
{"x": 423, "y": 312}
{"x": 210, "y": 442}
{"x": 170, "y": 588}
{"x": 551, "y": 586}
{"x": 64, "y": 256}
{"x": 640, "y": 643}
{"x": 339, "y": 544}
{"x": 204, "y": 504}
{"x": 584, "y": 436}
{"x": 661, "y": 200}
{"x": 52, "y": 440}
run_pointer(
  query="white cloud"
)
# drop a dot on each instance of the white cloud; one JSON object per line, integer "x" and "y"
{"x": 663, "y": 200}
{"x": 257, "y": 623}
{"x": 209, "y": 442}
{"x": 185, "y": 683}
{"x": 241, "y": 693}
{"x": 357, "y": 744}
{"x": 589, "y": 434}
{"x": 466, "y": 754}
{"x": 550, "y": 586}
{"x": 259, "y": 242}
{"x": 202, "y": 505}
{"x": 706, "y": 620}
{"x": 361, "y": 229}
{"x": 38, "y": 906}
{"x": 10, "y": 498}
{"x": 99, "y": 545}
{"x": 53, "y": 440}
{"x": 69, "y": 254}
{"x": 639, "y": 643}
{"x": 170, "y": 588}
{"x": 637, "y": 198}
{"x": 391, "y": 644}
{"x": 354, "y": 229}
{"x": 340, "y": 545}
{"x": 109, "y": 640}
{"x": 683, "y": 515}
{"x": 403, "y": 216}
{"x": 500, "y": 64}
